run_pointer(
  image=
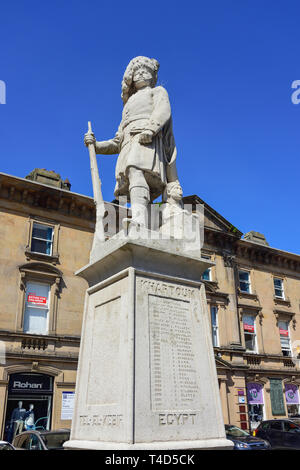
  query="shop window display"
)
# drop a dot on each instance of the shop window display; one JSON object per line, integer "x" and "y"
{"x": 29, "y": 404}
{"x": 255, "y": 404}
{"x": 292, "y": 400}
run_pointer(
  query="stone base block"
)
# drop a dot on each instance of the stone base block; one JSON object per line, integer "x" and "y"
{"x": 209, "y": 444}
{"x": 147, "y": 376}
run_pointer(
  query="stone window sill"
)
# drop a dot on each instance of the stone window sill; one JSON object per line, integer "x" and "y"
{"x": 41, "y": 256}
{"x": 280, "y": 301}
{"x": 210, "y": 283}
{"x": 247, "y": 295}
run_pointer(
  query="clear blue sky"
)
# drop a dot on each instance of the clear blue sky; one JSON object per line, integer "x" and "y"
{"x": 228, "y": 66}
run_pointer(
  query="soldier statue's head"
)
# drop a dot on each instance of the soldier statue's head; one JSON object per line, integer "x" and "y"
{"x": 139, "y": 70}
{"x": 174, "y": 191}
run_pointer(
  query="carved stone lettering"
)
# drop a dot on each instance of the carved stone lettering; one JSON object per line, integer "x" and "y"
{"x": 101, "y": 420}
{"x": 166, "y": 289}
{"x": 177, "y": 419}
{"x": 174, "y": 380}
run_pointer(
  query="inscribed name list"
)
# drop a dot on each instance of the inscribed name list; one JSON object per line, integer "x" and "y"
{"x": 174, "y": 381}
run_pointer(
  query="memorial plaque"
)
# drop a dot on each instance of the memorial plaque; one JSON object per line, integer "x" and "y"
{"x": 173, "y": 373}
{"x": 276, "y": 395}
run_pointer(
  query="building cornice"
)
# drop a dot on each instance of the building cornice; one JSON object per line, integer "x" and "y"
{"x": 271, "y": 257}
{"x": 26, "y": 196}
{"x": 238, "y": 251}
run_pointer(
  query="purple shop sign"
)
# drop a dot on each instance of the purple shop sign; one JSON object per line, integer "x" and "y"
{"x": 255, "y": 394}
{"x": 291, "y": 394}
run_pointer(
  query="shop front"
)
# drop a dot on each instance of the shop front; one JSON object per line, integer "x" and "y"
{"x": 292, "y": 399}
{"x": 29, "y": 403}
{"x": 255, "y": 399}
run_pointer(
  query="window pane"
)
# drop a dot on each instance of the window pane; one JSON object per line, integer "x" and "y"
{"x": 244, "y": 287}
{"x": 276, "y": 425}
{"x": 248, "y": 319}
{"x": 284, "y": 341}
{"x": 37, "y": 294}
{"x": 214, "y": 325}
{"x": 278, "y": 283}
{"x": 42, "y": 231}
{"x": 278, "y": 293}
{"x": 40, "y": 246}
{"x": 213, "y": 312}
{"x": 283, "y": 325}
{"x": 244, "y": 276}
{"x": 36, "y": 308}
{"x": 250, "y": 342}
{"x": 206, "y": 275}
{"x": 215, "y": 337}
{"x": 35, "y": 320}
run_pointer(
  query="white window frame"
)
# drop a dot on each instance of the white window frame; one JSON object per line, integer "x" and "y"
{"x": 42, "y": 239}
{"x": 245, "y": 282}
{"x": 215, "y": 328}
{"x": 46, "y": 332}
{"x": 288, "y": 349}
{"x": 280, "y": 288}
{"x": 249, "y": 333}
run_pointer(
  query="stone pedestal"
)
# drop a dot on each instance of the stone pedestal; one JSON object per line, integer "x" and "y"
{"x": 147, "y": 376}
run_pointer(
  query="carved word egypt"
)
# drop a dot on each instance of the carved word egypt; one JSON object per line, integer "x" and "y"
{"x": 177, "y": 419}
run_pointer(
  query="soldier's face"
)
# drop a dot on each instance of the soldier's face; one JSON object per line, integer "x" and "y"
{"x": 142, "y": 77}
{"x": 177, "y": 193}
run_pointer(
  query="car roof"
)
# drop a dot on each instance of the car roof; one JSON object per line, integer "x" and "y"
{"x": 233, "y": 425}
{"x": 275, "y": 419}
{"x": 54, "y": 431}
{"x": 42, "y": 432}
{"x": 295, "y": 421}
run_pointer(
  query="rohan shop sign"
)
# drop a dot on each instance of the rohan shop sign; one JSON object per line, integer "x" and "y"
{"x": 30, "y": 383}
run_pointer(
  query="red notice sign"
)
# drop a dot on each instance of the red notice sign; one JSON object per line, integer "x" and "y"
{"x": 36, "y": 299}
{"x": 248, "y": 327}
{"x": 283, "y": 332}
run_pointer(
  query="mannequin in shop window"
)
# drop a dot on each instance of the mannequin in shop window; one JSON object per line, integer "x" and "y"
{"x": 29, "y": 418}
{"x": 17, "y": 420}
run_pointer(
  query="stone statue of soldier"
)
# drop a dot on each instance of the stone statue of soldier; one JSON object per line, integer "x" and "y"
{"x": 144, "y": 140}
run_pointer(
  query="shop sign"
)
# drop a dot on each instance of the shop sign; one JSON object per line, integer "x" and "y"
{"x": 291, "y": 394}
{"x": 276, "y": 395}
{"x": 67, "y": 405}
{"x": 255, "y": 394}
{"x": 30, "y": 383}
{"x": 36, "y": 299}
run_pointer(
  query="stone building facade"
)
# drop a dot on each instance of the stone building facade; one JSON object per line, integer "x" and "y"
{"x": 253, "y": 293}
{"x": 46, "y": 234}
